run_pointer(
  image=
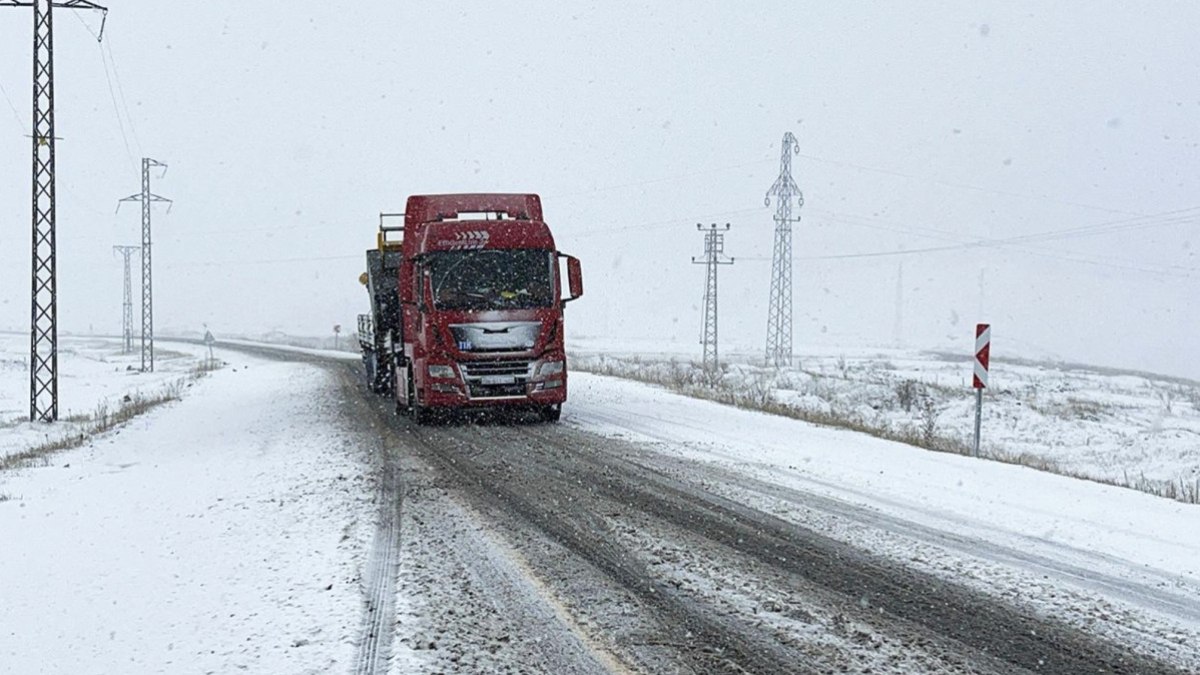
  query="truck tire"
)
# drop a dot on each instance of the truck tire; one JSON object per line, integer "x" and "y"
{"x": 551, "y": 413}
{"x": 369, "y": 368}
{"x": 421, "y": 415}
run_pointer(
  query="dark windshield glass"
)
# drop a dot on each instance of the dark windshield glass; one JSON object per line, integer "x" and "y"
{"x": 492, "y": 279}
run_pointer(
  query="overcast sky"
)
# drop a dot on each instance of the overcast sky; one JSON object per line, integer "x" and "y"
{"x": 922, "y": 125}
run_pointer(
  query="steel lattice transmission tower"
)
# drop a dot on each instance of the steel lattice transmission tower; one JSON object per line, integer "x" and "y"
{"x": 127, "y": 303}
{"x": 779, "y": 311}
{"x": 147, "y": 199}
{"x": 43, "y": 340}
{"x": 714, "y": 256}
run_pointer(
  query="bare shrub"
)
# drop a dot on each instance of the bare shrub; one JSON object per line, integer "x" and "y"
{"x": 928, "y": 421}
{"x": 1189, "y": 394}
{"x": 681, "y": 375}
{"x": 820, "y": 388}
{"x": 759, "y": 391}
{"x": 104, "y": 418}
{"x": 1083, "y": 409}
{"x": 906, "y": 394}
{"x": 712, "y": 377}
{"x": 1167, "y": 397}
{"x": 206, "y": 366}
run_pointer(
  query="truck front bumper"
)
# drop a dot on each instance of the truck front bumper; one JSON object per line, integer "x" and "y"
{"x": 460, "y": 395}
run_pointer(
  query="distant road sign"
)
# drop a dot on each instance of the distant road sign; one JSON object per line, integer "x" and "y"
{"x": 208, "y": 338}
{"x": 983, "y": 348}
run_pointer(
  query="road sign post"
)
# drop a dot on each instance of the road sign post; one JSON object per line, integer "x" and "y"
{"x": 983, "y": 348}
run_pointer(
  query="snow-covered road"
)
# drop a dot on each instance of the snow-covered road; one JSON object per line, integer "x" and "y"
{"x": 254, "y": 524}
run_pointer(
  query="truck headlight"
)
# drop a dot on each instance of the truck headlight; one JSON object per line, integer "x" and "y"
{"x": 550, "y": 368}
{"x": 442, "y": 372}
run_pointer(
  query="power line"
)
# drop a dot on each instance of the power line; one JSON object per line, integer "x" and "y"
{"x": 1176, "y": 217}
{"x": 1069, "y": 233}
{"x": 16, "y": 115}
{"x": 665, "y": 179}
{"x": 224, "y": 263}
{"x": 121, "y": 93}
{"x": 116, "y": 111}
{"x": 661, "y": 224}
{"x": 966, "y": 186}
{"x": 1014, "y": 243}
{"x": 111, "y": 93}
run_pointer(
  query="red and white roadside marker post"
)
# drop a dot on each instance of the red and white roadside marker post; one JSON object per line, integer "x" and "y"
{"x": 983, "y": 348}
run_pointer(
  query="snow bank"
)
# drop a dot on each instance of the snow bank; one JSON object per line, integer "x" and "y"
{"x": 217, "y": 534}
{"x": 1132, "y": 429}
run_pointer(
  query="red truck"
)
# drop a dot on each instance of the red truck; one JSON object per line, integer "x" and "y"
{"x": 467, "y": 306}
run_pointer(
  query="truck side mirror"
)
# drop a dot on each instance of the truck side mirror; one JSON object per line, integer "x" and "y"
{"x": 574, "y": 278}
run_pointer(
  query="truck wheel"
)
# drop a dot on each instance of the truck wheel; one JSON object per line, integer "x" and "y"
{"x": 369, "y": 368}
{"x": 551, "y": 413}
{"x": 421, "y": 415}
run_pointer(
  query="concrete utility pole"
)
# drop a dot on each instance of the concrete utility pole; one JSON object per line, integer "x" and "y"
{"x": 147, "y": 198}
{"x": 127, "y": 304}
{"x": 43, "y": 341}
{"x": 779, "y": 311}
{"x": 714, "y": 255}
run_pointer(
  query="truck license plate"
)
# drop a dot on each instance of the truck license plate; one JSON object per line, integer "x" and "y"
{"x": 499, "y": 379}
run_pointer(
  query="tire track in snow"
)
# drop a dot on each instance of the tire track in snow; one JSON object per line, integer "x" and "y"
{"x": 706, "y": 641}
{"x": 379, "y": 608}
{"x": 981, "y": 624}
{"x": 375, "y": 636}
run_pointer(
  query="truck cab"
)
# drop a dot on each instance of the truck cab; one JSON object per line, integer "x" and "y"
{"x": 480, "y": 306}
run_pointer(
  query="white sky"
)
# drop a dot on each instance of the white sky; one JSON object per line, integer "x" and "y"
{"x": 288, "y": 126}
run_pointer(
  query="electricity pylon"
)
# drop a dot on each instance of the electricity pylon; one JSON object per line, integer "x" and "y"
{"x": 147, "y": 199}
{"x": 779, "y": 311}
{"x": 714, "y": 255}
{"x": 43, "y": 333}
{"x": 127, "y": 304}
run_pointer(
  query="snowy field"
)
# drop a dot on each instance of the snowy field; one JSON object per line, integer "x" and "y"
{"x": 221, "y": 533}
{"x": 1110, "y": 560}
{"x": 94, "y": 374}
{"x": 1134, "y": 429}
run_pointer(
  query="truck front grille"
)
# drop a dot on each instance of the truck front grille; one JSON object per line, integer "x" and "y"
{"x": 479, "y": 369}
{"x": 495, "y": 379}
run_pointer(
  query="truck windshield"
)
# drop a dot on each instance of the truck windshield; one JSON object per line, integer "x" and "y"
{"x": 492, "y": 279}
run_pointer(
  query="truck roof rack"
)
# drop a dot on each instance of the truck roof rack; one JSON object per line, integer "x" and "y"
{"x": 391, "y": 235}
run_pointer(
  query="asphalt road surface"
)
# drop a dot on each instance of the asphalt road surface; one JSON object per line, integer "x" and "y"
{"x": 515, "y": 546}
